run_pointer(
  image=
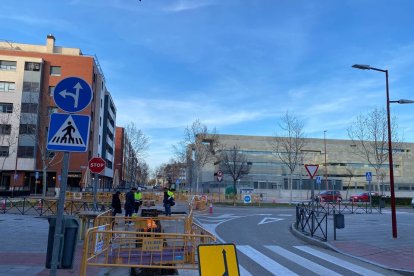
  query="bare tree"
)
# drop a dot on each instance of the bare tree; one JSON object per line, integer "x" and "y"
{"x": 143, "y": 172}
{"x": 139, "y": 143}
{"x": 289, "y": 143}
{"x": 369, "y": 133}
{"x": 234, "y": 163}
{"x": 200, "y": 145}
{"x": 350, "y": 175}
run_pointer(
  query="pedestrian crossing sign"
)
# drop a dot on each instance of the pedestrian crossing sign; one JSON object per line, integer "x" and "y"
{"x": 68, "y": 132}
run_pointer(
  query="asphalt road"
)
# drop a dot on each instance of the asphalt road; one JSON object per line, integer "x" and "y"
{"x": 265, "y": 245}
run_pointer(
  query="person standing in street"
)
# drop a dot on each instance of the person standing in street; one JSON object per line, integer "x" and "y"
{"x": 138, "y": 200}
{"x": 168, "y": 201}
{"x": 129, "y": 204}
{"x": 116, "y": 204}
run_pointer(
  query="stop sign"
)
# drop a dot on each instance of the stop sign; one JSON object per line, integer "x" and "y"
{"x": 96, "y": 165}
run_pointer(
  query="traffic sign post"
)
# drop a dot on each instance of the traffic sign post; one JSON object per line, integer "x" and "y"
{"x": 96, "y": 165}
{"x": 247, "y": 199}
{"x": 67, "y": 133}
{"x": 368, "y": 176}
{"x": 219, "y": 179}
{"x": 312, "y": 169}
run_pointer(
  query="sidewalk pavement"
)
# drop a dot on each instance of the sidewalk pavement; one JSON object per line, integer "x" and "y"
{"x": 368, "y": 237}
{"x": 24, "y": 245}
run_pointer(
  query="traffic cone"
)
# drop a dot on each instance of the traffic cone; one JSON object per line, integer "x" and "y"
{"x": 211, "y": 208}
{"x": 3, "y": 204}
{"x": 39, "y": 204}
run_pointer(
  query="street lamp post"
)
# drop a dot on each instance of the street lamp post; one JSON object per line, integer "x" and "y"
{"x": 326, "y": 168}
{"x": 391, "y": 166}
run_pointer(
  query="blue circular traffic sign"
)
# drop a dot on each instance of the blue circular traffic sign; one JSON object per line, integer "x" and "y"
{"x": 247, "y": 198}
{"x": 72, "y": 94}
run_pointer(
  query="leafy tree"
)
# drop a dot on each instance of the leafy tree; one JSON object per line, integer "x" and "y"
{"x": 289, "y": 144}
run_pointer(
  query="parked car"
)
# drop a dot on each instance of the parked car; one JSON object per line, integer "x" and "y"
{"x": 329, "y": 196}
{"x": 362, "y": 197}
{"x": 412, "y": 202}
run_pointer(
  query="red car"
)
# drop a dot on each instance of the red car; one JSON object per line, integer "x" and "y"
{"x": 330, "y": 196}
{"x": 362, "y": 197}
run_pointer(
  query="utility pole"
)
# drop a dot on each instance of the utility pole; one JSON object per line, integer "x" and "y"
{"x": 326, "y": 165}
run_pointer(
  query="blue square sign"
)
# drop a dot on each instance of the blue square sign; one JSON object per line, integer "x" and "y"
{"x": 68, "y": 132}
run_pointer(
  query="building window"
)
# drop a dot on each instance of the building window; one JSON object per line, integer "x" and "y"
{"x": 5, "y": 129}
{"x": 25, "y": 152}
{"x": 4, "y": 151}
{"x": 51, "y": 90}
{"x": 6, "y": 108}
{"x": 55, "y": 70}
{"x": 7, "y": 86}
{"x": 29, "y": 108}
{"x": 31, "y": 86}
{"x": 32, "y": 66}
{"x": 7, "y": 65}
{"x": 27, "y": 129}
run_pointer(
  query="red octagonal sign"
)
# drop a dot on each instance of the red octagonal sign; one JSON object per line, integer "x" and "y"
{"x": 96, "y": 165}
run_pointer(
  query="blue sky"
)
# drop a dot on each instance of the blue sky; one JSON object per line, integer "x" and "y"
{"x": 237, "y": 65}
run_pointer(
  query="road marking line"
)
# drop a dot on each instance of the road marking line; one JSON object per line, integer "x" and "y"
{"x": 264, "y": 261}
{"x": 347, "y": 265}
{"x": 314, "y": 267}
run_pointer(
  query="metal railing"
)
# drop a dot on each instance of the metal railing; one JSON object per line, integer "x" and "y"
{"x": 311, "y": 221}
{"x": 345, "y": 207}
{"x": 46, "y": 206}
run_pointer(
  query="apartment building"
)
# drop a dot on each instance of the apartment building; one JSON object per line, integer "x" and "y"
{"x": 125, "y": 160}
{"x": 28, "y": 76}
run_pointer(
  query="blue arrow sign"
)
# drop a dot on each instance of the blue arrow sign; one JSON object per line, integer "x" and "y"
{"x": 68, "y": 132}
{"x": 72, "y": 94}
{"x": 247, "y": 198}
{"x": 368, "y": 176}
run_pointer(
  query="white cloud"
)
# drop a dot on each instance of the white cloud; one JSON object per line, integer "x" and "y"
{"x": 185, "y": 5}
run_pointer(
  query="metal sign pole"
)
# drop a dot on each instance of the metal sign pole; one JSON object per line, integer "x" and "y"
{"x": 59, "y": 217}
{"x": 95, "y": 190}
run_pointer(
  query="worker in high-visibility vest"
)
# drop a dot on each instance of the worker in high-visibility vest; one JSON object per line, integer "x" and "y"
{"x": 138, "y": 200}
{"x": 168, "y": 201}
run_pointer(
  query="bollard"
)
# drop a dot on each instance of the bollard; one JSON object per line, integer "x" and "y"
{"x": 211, "y": 208}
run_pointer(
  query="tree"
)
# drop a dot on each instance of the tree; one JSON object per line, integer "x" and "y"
{"x": 143, "y": 172}
{"x": 139, "y": 144}
{"x": 289, "y": 144}
{"x": 369, "y": 133}
{"x": 200, "y": 144}
{"x": 234, "y": 163}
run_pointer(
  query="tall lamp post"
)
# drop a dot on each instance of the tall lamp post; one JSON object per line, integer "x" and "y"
{"x": 391, "y": 166}
{"x": 326, "y": 168}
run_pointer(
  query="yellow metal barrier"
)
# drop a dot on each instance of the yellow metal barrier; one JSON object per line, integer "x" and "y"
{"x": 115, "y": 248}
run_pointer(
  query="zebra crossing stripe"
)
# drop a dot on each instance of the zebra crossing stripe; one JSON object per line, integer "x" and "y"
{"x": 347, "y": 265}
{"x": 264, "y": 261}
{"x": 318, "y": 269}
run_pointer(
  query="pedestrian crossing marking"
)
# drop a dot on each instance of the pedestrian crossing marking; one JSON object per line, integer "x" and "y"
{"x": 68, "y": 134}
{"x": 337, "y": 261}
{"x": 314, "y": 267}
{"x": 264, "y": 261}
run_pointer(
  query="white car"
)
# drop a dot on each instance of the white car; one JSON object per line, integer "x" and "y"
{"x": 412, "y": 202}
